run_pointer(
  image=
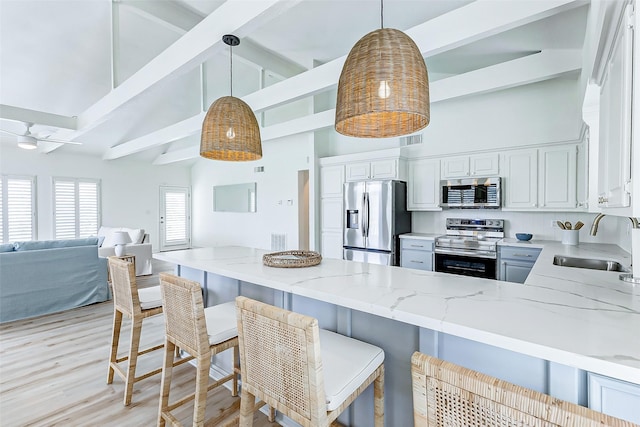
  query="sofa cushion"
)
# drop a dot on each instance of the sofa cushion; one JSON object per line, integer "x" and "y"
{"x": 7, "y": 247}
{"x": 51, "y": 244}
{"x": 100, "y": 241}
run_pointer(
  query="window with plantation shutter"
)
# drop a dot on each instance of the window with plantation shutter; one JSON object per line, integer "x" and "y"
{"x": 76, "y": 210}
{"x": 17, "y": 208}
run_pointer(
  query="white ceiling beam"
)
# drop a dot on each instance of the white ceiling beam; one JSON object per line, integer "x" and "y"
{"x": 169, "y": 134}
{"x": 168, "y": 14}
{"x": 179, "y": 19}
{"x": 530, "y": 69}
{"x": 545, "y": 65}
{"x": 432, "y": 37}
{"x": 234, "y": 16}
{"x": 9, "y": 112}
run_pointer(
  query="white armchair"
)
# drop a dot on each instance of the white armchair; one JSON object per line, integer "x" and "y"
{"x": 140, "y": 247}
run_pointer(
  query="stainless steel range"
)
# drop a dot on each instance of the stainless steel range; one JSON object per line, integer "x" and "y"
{"x": 470, "y": 247}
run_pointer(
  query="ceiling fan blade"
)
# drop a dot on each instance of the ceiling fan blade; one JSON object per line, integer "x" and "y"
{"x": 57, "y": 141}
{"x": 10, "y": 133}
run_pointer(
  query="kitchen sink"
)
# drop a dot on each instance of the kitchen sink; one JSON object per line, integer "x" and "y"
{"x": 592, "y": 264}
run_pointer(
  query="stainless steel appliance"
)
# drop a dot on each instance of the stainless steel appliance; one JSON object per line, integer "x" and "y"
{"x": 476, "y": 193}
{"x": 470, "y": 247}
{"x": 376, "y": 213}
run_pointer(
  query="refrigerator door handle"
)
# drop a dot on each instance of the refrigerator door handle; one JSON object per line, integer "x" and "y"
{"x": 363, "y": 215}
{"x": 366, "y": 198}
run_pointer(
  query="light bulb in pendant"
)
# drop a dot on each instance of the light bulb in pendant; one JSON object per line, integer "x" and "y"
{"x": 384, "y": 91}
{"x": 231, "y": 133}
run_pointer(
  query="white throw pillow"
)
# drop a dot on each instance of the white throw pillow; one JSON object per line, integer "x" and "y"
{"x": 136, "y": 234}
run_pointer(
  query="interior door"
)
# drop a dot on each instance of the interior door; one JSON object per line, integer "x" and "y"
{"x": 175, "y": 218}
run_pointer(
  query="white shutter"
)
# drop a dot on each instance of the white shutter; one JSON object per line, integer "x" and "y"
{"x": 175, "y": 217}
{"x": 17, "y": 200}
{"x": 88, "y": 208}
{"x": 65, "y": 209}
{"x": 76, "y": 207}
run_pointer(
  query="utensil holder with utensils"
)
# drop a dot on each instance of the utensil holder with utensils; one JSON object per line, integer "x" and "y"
{"x": 569, "y": 232}
{"x": 570, "y": 237}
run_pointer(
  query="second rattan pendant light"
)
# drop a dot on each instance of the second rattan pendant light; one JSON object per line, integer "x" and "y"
{"x": 230, "y": 130}
{"x": 383, "y": 89}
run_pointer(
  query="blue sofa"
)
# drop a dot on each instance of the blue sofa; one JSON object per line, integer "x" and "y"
{"x": 41, "y": 277}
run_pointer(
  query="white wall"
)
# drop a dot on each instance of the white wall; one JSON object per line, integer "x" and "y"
{"x": 282, "y": 159}
{"x": 130, "y": 188}
{"x": 539, "y": 113}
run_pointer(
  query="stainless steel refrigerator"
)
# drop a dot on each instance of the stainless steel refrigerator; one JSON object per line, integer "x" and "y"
{"x": 376, "y": 213}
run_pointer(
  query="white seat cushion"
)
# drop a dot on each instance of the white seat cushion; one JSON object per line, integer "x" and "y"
{"x": 346, "y": 363}
{"x": 222, "y": 323}
{"x": 150, "y": 297}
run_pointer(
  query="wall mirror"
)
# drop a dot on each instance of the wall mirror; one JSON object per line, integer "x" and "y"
{"x": 234, "y": 198}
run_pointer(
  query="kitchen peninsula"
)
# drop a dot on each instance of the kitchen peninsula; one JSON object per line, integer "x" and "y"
{"x": 545, "y": 336}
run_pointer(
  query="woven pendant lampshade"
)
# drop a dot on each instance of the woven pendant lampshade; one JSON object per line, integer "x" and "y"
{"x": 383, "y": 89}
{"x": 230, "y": 129}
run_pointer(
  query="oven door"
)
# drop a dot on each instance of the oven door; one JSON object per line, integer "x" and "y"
{"x": 466, "y": 265}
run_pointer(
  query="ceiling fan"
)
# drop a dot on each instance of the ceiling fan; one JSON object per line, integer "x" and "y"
{"x": 28, "y": 141}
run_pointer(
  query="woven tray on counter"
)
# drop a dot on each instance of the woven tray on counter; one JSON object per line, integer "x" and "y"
{"x": 291, "y": 259}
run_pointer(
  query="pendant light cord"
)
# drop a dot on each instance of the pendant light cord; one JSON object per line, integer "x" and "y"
{"x": 381, "y": 14}
{"x": 231, "y": 69}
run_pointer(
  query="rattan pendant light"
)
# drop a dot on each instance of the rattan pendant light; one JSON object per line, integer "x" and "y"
{"x": 383, "y": 89}
{"x": 230, "y": 130}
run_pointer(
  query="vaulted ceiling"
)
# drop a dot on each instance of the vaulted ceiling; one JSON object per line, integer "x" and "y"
{"x": 125, "y": 77}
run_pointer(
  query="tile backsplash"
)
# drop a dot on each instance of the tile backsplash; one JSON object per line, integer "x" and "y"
{"x": 611, "y": 229}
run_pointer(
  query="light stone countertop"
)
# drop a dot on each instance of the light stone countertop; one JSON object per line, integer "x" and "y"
{"x": 582, "y": 318}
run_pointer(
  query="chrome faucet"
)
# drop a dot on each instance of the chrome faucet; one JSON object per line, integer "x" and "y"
{"x": 596, "y": 221}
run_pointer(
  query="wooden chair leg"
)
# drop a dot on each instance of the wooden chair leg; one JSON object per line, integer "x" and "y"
{"x": 202, "y": 383}
{"x": 165, "y": 385}
{"x": 378, "y": 399}
{"x": 272, "y": 414}
{"x": 247, "y": 403}
{"x": 236, "y": 370}
{"x": 136, "y": 328}
{"x": 115, "y": 340}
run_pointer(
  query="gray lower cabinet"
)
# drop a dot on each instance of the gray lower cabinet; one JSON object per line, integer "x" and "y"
{"x": 614, "y": 397}
{"x": 515, "y": 263}
{"x": 417, "y": 253}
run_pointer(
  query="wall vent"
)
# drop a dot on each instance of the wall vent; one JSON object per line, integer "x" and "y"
{"x": 410, "y": 140}
{"x": 258, "y": 169}
{"x": 278, "y": 242}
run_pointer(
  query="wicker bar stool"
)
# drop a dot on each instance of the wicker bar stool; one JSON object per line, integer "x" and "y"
{"x": 137, "y": 305}
{"x": 445, "y": 394}
{"x": 203, "y": 333}
{"x": 309, "y": 374}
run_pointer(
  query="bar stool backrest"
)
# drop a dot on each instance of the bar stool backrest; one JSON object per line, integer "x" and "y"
{"x": 445, "y": 394}
{"x": 183, "y": 309}
{"x": 280, "y": 359}
{"x": 125, "y": 291}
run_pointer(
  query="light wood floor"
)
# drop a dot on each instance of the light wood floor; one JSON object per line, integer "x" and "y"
{"x": 53, "y": 372}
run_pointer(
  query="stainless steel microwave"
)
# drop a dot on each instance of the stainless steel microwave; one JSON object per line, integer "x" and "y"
{"x": 470, "y": 193}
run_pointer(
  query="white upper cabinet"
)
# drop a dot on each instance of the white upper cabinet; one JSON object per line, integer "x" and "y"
{"x": 455, "y": 167}
{"x": 378, "y": 169}
{"x": 331, "y": 181}
{"x": 557, "y": 177}
{"x": 424, "y": 185}
{"x": 471, "y": 166}
{"x": 614, "y": 153}
{"x": 541, "y": 178}
{"x": 520, "y": 183}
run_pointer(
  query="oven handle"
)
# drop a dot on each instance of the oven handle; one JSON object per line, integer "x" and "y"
{"x": 474, "y": 254}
